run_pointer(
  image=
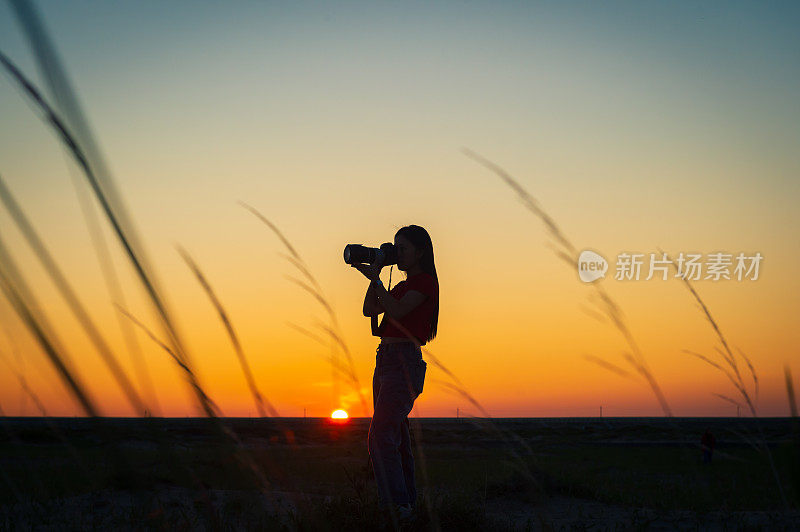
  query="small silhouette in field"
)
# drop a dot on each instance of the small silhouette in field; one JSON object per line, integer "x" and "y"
{"x": 411, "y": 314}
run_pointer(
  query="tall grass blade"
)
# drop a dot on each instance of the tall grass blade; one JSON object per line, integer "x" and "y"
{"x": 245, "y": 457}
{"x": 206, "y": 400}
{"x": 738, "y": 383}
{"x": 716, "y": 365}
{"x": 795, "y": 469}
{"x": 110, "y": 204}
{"x": 114, "y": 288}
{"x": 787, "y": 373}
{"x": 83, "y": 148}
{"x": 752, "y": 371}
{"x": 726, "y": 398}
{"x": 343, "y": 369}
{"x": 263, "y": 405}
{"x": 608, "y": 365}
{"x": 21, "y": 299}
{"x": 69, "y": 295}
{"x": 334, "y": 331}
{"x": 569, "y": 254}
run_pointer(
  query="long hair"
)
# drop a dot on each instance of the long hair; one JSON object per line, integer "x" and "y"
{"x": 421, "y": 240}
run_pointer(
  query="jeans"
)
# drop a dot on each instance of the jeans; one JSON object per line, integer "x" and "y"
{"x": 397, "y": 382}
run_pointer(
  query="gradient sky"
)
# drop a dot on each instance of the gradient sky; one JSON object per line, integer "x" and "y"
{"x": 636, "y": 125}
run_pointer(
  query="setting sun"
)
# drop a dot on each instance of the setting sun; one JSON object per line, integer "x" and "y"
{"x": 339, "y": 414}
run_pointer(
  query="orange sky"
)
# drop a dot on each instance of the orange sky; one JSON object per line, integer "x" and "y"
{"x": 341, "y": 133}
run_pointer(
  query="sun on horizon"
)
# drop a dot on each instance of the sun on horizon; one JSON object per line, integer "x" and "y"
{"x": 339, "y": 415}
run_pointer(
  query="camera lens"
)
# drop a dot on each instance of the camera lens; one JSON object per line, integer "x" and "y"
{"x": 358, "y": 254}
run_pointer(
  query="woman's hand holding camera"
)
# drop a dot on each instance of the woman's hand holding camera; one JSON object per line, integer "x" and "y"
{"x": 370, "y": 271}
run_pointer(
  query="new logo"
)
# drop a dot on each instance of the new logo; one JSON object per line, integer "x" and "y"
{"x": 591, "y": 266}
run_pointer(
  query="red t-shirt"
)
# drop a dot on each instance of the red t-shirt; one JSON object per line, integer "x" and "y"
{"x": 419, "y": 320}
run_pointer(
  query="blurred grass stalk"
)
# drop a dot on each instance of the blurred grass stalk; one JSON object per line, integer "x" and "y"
{"x": 24, "y": 303}
{"x": 790, "y": 391}
{"x": 795, "y": 471}
{"x": 735, "y": 377}
{"x": 71, "y": 298}
{"x": 82, "y": 147}
{"x": 262, "y": 405}
{"x": 333, "y": 331}
{"x": 567, "y": 252}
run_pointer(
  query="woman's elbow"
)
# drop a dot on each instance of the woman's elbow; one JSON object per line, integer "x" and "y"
{"x": 397, "y": 314}
{"x": 372, "y": 311}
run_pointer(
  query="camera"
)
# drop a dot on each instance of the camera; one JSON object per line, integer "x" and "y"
{"x": 358, "y": 254}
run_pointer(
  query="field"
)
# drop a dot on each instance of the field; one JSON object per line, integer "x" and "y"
{"x": 472, "y": 474}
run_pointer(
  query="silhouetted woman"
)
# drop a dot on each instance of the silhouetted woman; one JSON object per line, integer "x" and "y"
{"x": 411, "y": 316}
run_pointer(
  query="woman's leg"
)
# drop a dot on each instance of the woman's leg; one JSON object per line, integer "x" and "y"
{"x": 392, "y": 406}
{"x": 376, "y": 390}
{"x": 407, "y": 458}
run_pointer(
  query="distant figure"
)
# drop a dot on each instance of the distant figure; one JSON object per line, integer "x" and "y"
{"x": 707, "y": 444}
{"x": 411, "y": 316}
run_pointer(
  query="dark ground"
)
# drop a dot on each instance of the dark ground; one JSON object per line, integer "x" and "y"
{"x": 310, "y": 474}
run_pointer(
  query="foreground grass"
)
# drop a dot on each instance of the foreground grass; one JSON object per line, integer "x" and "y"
{"x": 320, "y": 477}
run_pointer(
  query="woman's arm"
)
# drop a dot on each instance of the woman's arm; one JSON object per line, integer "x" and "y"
{"x": 378, "y": 299}
{"x": 397, "y": 308}
{"x": 372, "y": 306}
